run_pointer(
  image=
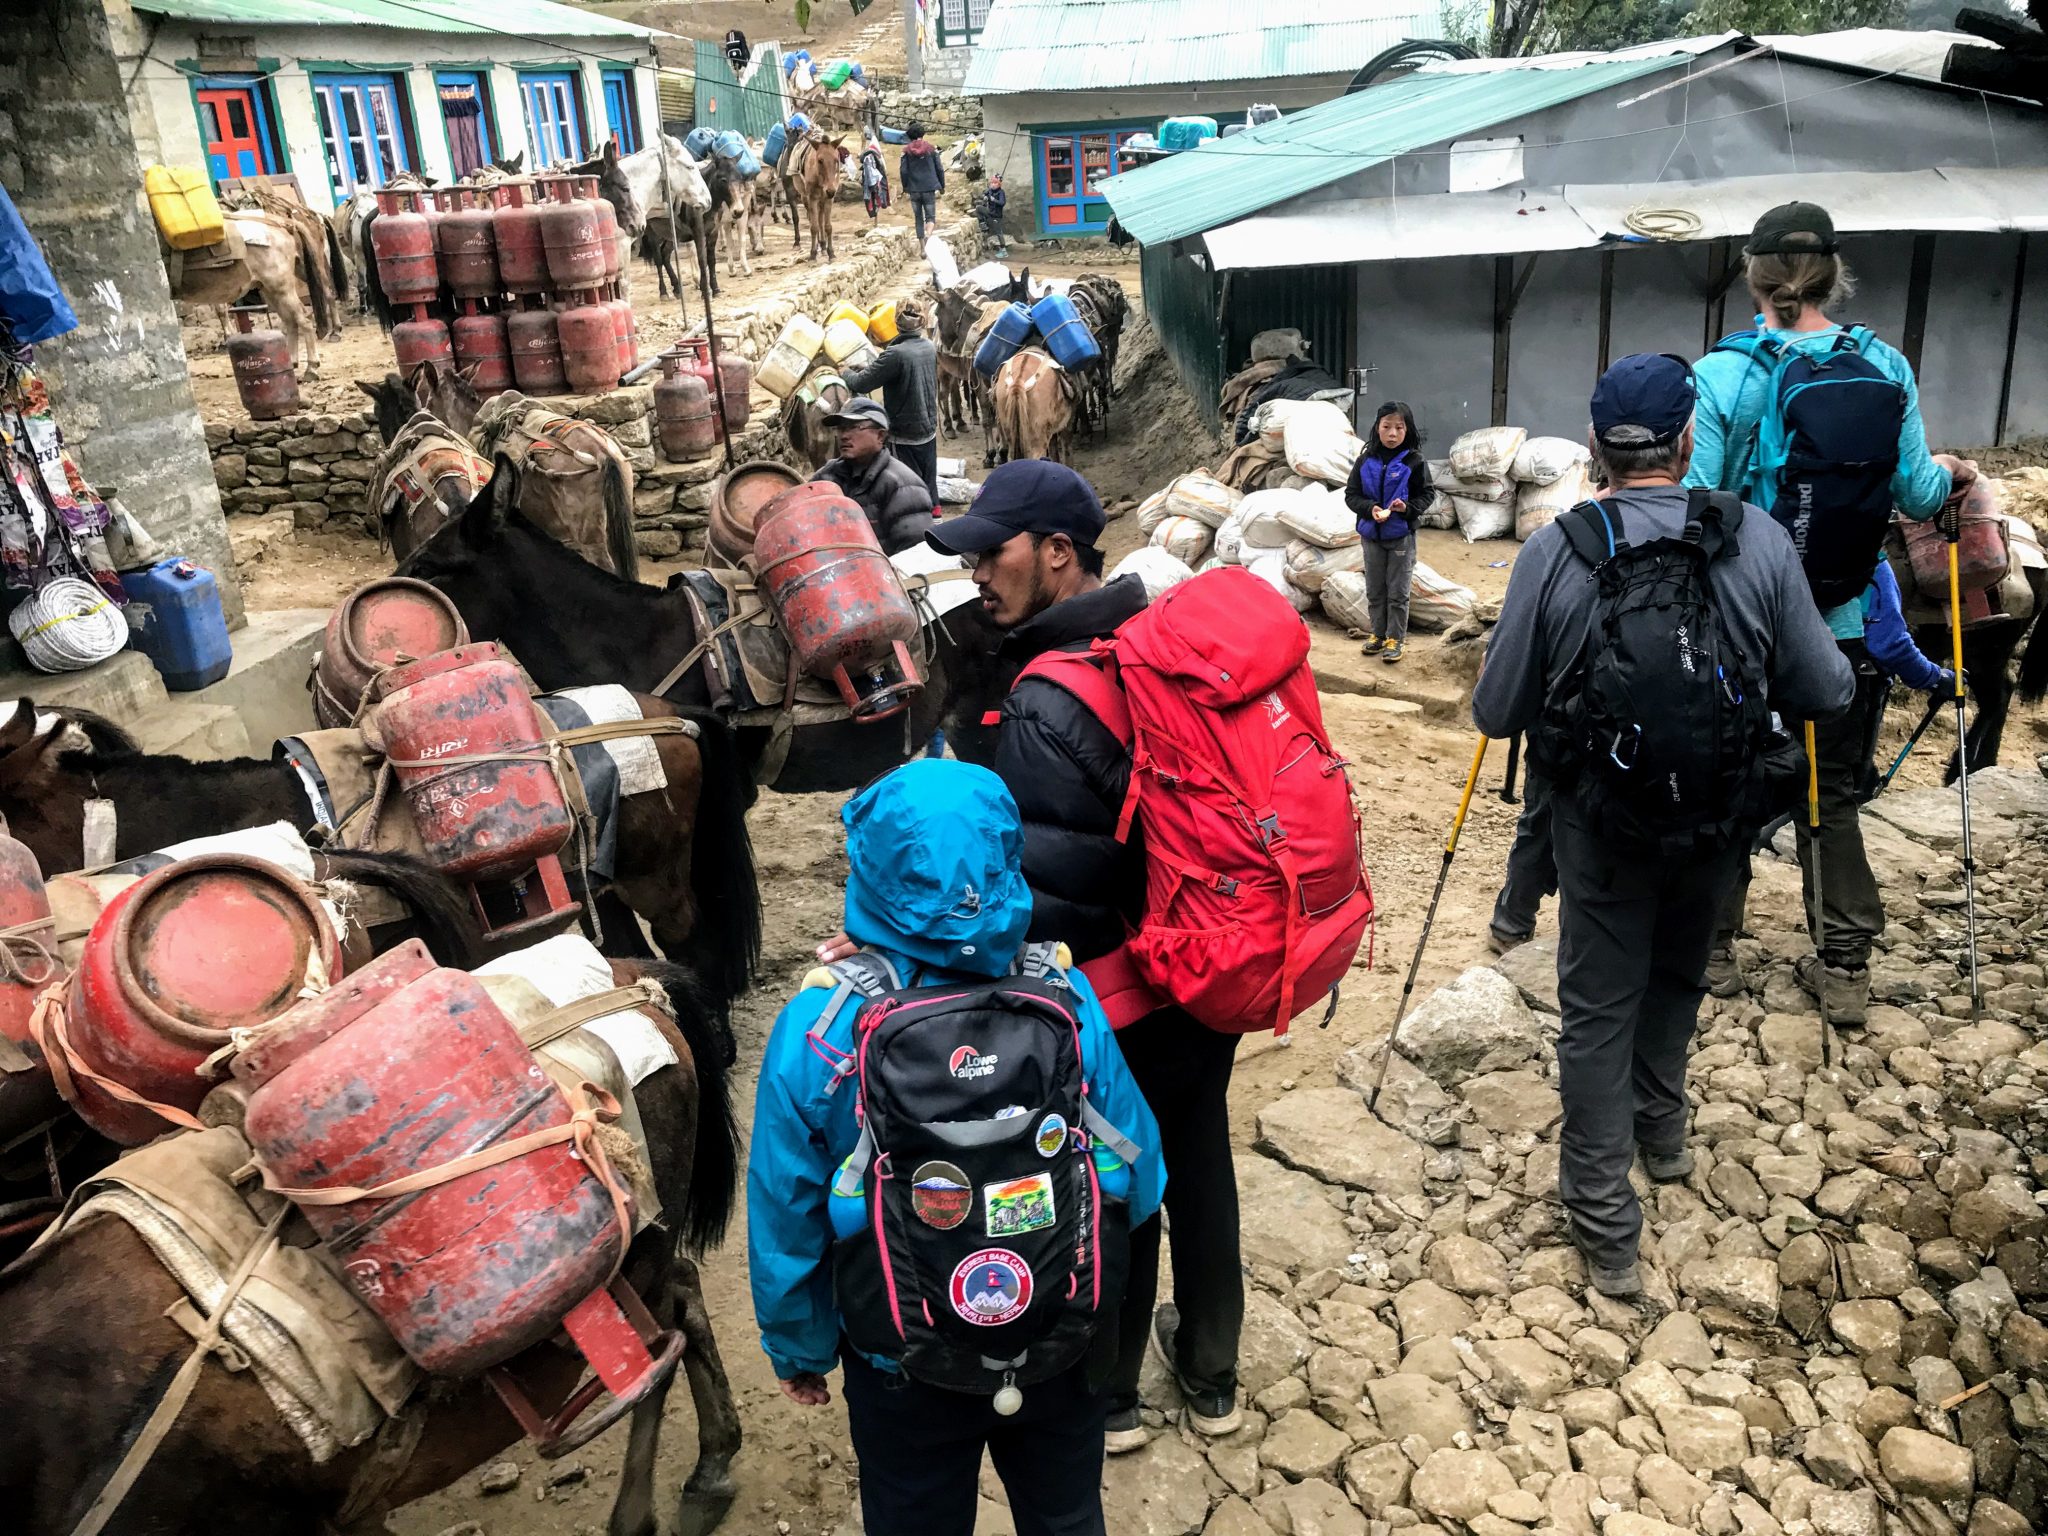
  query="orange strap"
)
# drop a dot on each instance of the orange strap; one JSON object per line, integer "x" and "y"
{"x": 46, "y": 1026}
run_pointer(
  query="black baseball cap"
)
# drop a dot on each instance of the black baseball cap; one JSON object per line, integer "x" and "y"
{"x": 859, "y": 412}
{"x": 1643, "y": 400}
{"x": 1793, "y": 229}
{"x": 1023, "y": 496}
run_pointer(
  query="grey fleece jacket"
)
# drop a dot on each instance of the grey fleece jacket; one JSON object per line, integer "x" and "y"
{"x": 1761, "y": 590}
{"x": 907, "y": 373}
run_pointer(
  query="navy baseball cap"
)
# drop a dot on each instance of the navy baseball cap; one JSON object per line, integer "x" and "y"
{"x": 1793, "y": 229}
{"x": 1643, "y": 400}
{"x": 1023, "y": 496}
{"x": 859, "y": 412}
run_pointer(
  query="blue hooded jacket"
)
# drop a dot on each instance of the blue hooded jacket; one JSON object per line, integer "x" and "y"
{"x": 935, "y": 886}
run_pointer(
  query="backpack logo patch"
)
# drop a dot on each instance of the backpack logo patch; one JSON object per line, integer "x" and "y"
{"x": 991, "y": 1287}
{"x": 967, "y": 1063}
{"x": 940, "y": 1195}
{"x": 1052, "y": 1135}
{"x": 1017, "y": 1206}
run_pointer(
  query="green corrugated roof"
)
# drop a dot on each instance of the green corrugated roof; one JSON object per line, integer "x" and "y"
{"x": 1230, "y": 178}
{"x": 1101, "y": 45}
{"x": 520, "y": 18}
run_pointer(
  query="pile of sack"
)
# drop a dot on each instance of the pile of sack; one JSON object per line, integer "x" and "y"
{"x": 1498, "y": 481}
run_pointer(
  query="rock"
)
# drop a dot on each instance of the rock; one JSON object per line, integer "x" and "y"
{"x": 1349, "y": 1321}
{"x": 1467, "y": 1266}
{"x": 1521, "y": 1506}
{"x": 1984, "y": 1302}
{"x": 1707, "y": 1441}
{"x": 1677, "y": 1494}
{"x": 1157, "y": 1490}
{"x": 1629, "y": 1523}
{"x": 1410, "y": 1100}
{"x": 1604, "y": 1355}
{"x": 658, "y": 543}
{"x": 1837, "y": 1455}
{"x": 1273, "y": 1343}
{"x": 1545, "y": 1306}
{"x": 1477, "y": 1023}
{"x": 1844, "y": 1512}
{"x": 1917, "y": 1462}
{"x": 1316, "y": 1508}
{"x": 1406, "y": 1404}
{"x": 1884, "y": 1408}
{"x": 1506, "y": 1102}
{"x": 1524, "y": 1372}
{"x": 1746, "y": 1286}
{"x": 1868, "y": 1327}
{"x": 1301, "y": 1445}
{"x": 1790, "y": 1039}
{"x": 1992, "y": 1517}
{"x": 1378, "y": 1478}
{"x": 1739, "y": 1190}
{"x": 1568, "y": 1503}
{"x": 1437, "y": 1358}
{"x": 1532, "y": 967}
{"x": 1456, "y": 1485}
{"x": 1426, "y": 1310}
{"x": 1650, "y": 1387}
{"x": 1286, "y": 1219}
{"x": 2023, "y": 1344}
{"x": 1234, "y": 1517}
{"x": 499, "y": 1477}
{"x": 1680, "y": 1341}
{"x": 1876, "y": 1271}
{"x": 1798, "y": 1176}
{"x": 1327, "y": 1132}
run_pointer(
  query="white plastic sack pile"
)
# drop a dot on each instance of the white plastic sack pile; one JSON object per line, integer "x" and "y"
{"x": 1537, "y": 506}
{"x": 1484, "y": 519}
{"x": 1271, "y": 568}
{"x": 1310, "y": 565}
{"x": 1343, "y": 598}
{"x": 1152, "y": 512}
{"x": 1258, "y": 523}
{"x": 1320, "y": 443}
{"x": 1482, "y": 505}
{"x": 1318, "y": 516}
{"x": 1183, "y": 538}
{"x": 1203, "y": 497}
{"x": 1269, "y": 421}
{"x": 1486, "y": 453}
{"x": 1544, "y": 460}
{"x": 1436, "y": 602}
{"x": 1157, "y": 569}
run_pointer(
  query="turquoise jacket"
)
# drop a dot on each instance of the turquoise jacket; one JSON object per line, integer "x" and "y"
{"x": 1732, "y": 390}
{"x": 935, "y": 887}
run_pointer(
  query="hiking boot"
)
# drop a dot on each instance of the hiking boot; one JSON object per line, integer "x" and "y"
{"x": 1123, "y": 1430}
{"x": 1210, "y": 1413}
{"x": 1844, "y": 992}
{"x": 1375, "y": 645}
{"x": 1724, "y": 976}
{"x": 1500, "y": 941}
{"x": 1668, "y": 1167}
{"x": 1392, "y": 653}
{"x": 1624, "y": 1284}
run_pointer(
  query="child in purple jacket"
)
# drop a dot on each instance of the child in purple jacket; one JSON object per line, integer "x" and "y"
{"x": 1388, "y": 491}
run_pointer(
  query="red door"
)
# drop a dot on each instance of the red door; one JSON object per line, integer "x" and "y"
{"x": 227, "y": 124}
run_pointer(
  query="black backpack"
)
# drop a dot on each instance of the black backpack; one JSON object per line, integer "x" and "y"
{"x": 1659, "y": 726}
{"x": 991, "y": 1249}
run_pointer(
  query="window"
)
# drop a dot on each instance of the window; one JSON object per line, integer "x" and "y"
{"x": 466, "y": 119}
{"x": 362, "y": 129}
{"x": 961, "y": 21}
{"x": 554, "y": 120}
{"x": 1072, "y": 164}
{"x": 621, "y": 120}
{"x": 234, "y": 126}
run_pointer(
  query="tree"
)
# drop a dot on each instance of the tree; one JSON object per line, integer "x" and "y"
{"x": 1761, "y": 16}
{"x": 1519, "y": 28}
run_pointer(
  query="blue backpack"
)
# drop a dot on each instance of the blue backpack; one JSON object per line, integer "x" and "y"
{"x": 1823, "y": 454}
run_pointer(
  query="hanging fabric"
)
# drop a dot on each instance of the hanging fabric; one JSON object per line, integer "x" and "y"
{"x": 52, "y": 523}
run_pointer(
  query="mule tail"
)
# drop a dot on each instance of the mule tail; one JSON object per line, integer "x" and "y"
{"x": 2034, "y": 662}
{"x": 326, "y": 322}
{"x": 715, "y": 1158}
{"x": 373, "y": 289}
{"x": 438, "y": 905}
{"x": 728, "y": 933}
{"x": 337, "y": 266}
{"x": 618, "y": 520}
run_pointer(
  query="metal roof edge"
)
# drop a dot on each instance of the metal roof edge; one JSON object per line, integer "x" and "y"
{"x": 429, "y": 22}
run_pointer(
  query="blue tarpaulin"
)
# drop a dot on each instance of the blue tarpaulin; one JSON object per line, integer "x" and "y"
{"x": 35, "y": 307}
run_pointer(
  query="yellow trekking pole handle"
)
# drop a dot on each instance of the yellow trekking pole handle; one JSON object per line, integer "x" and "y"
{"x": 1955, "y": 625}
{"x": 1812, "y": 783}
{"x": 1465, "y": 801}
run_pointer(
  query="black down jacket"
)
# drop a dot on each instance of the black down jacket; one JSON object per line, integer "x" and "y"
{"x": 1069, "y": 775}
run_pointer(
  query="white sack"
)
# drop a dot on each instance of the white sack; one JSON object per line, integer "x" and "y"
{"x": 1484, "y": 519}
{"x": 1258, "y": 520}
{"x": 1343, "y": 599}
{"x": 1320, "y": 443}
{"x": 1152, "y": 512}
{"x": 1310, "y": 565}
{"x": 1203, "y": 497}
{"x": 1542, "y": 460}
{"x": 1154, "y": 567}
{"x": 1183, "y": 538}
{"x": 1318, "y": 516}
{"x": 1269, "y": 421}
{"x": 1435, "y": 602}
{"x": 1478, "y": 488}
{"x": 1486, "y": 452}
{"x": 1271, "y": 568}
{"x": 945, "y": 265}
{"x": 1537, "y": 506}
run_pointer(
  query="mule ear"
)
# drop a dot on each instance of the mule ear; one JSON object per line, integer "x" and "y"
{"x": 368, "y": 388}
{"x": 425, "y": 379}
{"x": 20, "y": 727}
{"x": 468, "y": 375}
{"x": 517, "y": 163}
{"x": 611, "y": 152}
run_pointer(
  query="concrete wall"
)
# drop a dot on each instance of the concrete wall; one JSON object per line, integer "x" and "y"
{"x": 162, "y": 89}
{"x": 118, "y": 383}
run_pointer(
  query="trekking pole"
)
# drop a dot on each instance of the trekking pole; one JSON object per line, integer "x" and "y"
{"x": 1507, "y": 784}
{"x": 1820, "y": 991}
{"x": 1933, "y": 713}
{"x": 1953, "y": 527}
{"x": 1443, "y": 873}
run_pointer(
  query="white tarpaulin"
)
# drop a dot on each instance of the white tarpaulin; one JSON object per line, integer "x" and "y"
{"x": 1858, "y": 201}
{"x": 1401, "y": 228}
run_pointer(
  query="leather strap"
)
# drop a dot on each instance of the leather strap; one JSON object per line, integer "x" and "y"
{"x": 742, "y": 614}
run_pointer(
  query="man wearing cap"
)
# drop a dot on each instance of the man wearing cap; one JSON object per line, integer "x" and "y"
{"x": 907, "y": 374}
{"x": 893, "y": 495}
{"x": 1795, "y": 273}
{"x": 1634, "y": 926}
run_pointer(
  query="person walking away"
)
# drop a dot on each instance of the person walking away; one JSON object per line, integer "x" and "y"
{"x": 949, "y": 1271}
{"x": 889, "y": 491}
{"x": 923, "y": 178}
{"x": 1652, "y": 753}
{"x": 907, "y": 373}
{"x": 1388, "y": 491}
{"x": 874, "y": 179}
{"x": 1855, "y": 450}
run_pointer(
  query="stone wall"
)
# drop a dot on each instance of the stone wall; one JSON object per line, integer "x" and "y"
{"x": 118, "y": 383}
{"x": 944, "y": 115}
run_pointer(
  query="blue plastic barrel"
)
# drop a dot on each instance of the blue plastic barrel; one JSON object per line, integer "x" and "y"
{"x": 1178, "y": 133}
{"x": 778, "y": 140}
{"x": 799, "y": 123}
{"x": 698, "y": 142}
{"x": 1067, "y": 336}
{"x": 174, "y": 619}
{"x": 1005, "y": 338}
{"x": 730, "y": 144}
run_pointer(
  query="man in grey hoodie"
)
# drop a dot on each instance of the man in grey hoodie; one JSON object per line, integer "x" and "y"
{"x": 923, "y": 178}
{"x": 1635, "y": 925}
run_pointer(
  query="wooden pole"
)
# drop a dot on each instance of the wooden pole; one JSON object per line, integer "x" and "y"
{"x": 711, "y": 337}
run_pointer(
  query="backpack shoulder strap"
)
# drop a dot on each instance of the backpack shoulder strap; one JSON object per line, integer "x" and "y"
{"x": 1717, "y": 515}
{"x": 1594, "y": 536}
{"x": 1085, "y": 675}
{"x": 1042, "y": 961}
{"x": 1858, "y": 336}
{"x": 862, "y": 974}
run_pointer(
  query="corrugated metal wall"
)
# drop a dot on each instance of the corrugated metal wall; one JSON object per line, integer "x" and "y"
{"x": 1180, "y": 298}
{"x": 677, "y": 88}
{"x": 1320, "y": 302}
{"x": 722, "y": 102}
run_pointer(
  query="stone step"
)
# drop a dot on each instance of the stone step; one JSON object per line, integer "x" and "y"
{"x": 266, "y": 685}
{"x": 120, "y": 688}
{"x": 201, "y": 732}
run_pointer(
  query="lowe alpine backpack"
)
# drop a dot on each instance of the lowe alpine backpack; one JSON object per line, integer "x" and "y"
{"x": 1823, "y": 454}
{"x": 1256, "y": 895}
{"x": 991, "y": 1236}
{"x": 1661, "y": 724}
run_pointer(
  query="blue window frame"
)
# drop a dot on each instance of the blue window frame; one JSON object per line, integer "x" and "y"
{"x": 362, "y": 127}
{"x": 554, "y": 117}
{"x": 235, "y": 125}
{"x": 1067, "y": 165}
{"x": 466, "y": 119}
{"x": 619, "y": 116}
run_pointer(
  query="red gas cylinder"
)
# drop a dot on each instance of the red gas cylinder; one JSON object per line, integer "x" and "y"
{"x": 590, "y": 346}
{"x": 468, "y": 247}
{"x": 381, "y": 624}
{"x": 840, "y": 603}
{"x": 683, "y": 417}
{"x": 481, "y": 344}
{"x": 536, "y": 343}
{"x": 695, "y": 353}
{"x": 421, "y": 341}
{"x": 569, "y": 233}
{"x": 607, "y": 226}
{"x": 735, "y": 387}
{"x": 622, "y": 333}
{"x": 410, "y": 1068}
{"x": 174, "y": 963}
{"x": 402, "y": 240}
{"x": 262, "y": 361}
{"x": 478, "y": 820}
{"x": 522, "y": 258}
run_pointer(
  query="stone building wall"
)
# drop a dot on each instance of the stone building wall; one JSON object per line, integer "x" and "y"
{"x": 948, "y": 115}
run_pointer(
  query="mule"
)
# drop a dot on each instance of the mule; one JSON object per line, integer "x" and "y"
{"x": 278, "y": 252}
{"x": 964, "y": 319}
{"x": 91, "y": 1344}
{"x": 668, "y": 187}
{"x": 443, "y": 458}
{"x": 1035, "y": 404}
{"x": 732, "y": 213}
{"x": 815, "y": 160}
{"x": 1100, "y": 301}
{"x": 803, "y": 423}
{"x": 572, "y": 624}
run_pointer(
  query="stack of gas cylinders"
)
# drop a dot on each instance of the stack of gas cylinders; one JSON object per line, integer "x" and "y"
{"x": 221, "y": 974}
{"x": 697, "y": 402}
{"x": 519, "y": 282}
{"x": 1054, "y": 319}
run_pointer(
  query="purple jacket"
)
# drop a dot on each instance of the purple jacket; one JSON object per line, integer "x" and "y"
{"x": 1381, "y": 479}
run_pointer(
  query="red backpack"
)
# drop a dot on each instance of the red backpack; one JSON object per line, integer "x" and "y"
{"x": 1256, "y": 894}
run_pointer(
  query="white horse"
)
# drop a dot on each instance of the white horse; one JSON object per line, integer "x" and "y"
{"x": 650, "y": 173}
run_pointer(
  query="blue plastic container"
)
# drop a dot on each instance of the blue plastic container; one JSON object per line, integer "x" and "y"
{"x": 174, "y": 619}
{"x": 799, "y": 123}
{"x": 1005, "y": 339}
{"x": 1067, "y": 336}
{"x": 730, "y": 144}
{"x": 698, "y": 142}
{"x": 1178, "y": 133}
{"x": 777, "y": 141}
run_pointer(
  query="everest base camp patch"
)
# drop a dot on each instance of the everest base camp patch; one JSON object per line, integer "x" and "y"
{"x": 990, "y": 1287}
{"x": 1017, "y": 1206}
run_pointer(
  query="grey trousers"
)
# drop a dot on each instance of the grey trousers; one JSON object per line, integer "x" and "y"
{"x": 1633, "y": 933}
{"x": 1389, "y": 573}
{"x": 1532, "y": 865}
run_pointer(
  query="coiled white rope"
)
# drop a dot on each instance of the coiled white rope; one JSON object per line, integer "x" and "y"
{"x": 1663, "y": 223}
{"x": 67, "y": 625}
